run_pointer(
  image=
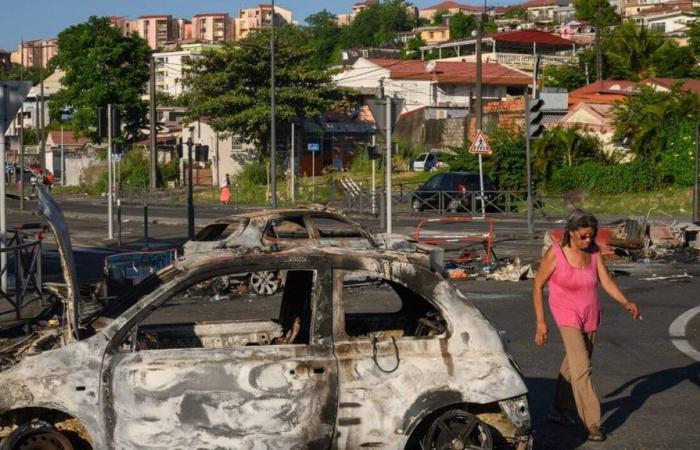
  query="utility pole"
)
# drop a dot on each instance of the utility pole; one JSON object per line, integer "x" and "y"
{"x": 21, "y": 134}
{"x": 273, "y": 143}
{"x": 4, "y": 93}
{"x": 190, "y": 195}
{"x": 388, "y": 168}
{"x": 153, "y": 128}
{"x": 42, "y": 135}
{"x": 479, "y": 101}
{"x": 696, "y": 176}
{"x": 110, "y": 175}
{"x": 598, "y": 51}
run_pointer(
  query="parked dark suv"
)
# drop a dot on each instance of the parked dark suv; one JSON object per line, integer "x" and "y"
{"x": 453, "y": 191}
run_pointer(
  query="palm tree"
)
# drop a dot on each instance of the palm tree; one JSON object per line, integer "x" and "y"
{"x": 633, "y": 43}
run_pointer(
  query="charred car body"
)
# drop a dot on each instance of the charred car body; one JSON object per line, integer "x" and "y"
{"x": 359, "y": 349}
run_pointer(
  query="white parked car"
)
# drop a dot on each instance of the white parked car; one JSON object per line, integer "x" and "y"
{"x": 427, "y": 162}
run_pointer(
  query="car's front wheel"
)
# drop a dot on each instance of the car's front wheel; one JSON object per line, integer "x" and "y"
{"x": 264, "y": 283}
{"x": 36, "y": 435}
{"x": 457, "y": 429}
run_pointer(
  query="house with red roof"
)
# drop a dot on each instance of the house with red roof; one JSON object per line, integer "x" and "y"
{"x": 432, "y": 83}
{"x": 449, "y": 8}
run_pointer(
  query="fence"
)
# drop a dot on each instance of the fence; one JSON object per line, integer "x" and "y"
{"x": 23, "y": 269}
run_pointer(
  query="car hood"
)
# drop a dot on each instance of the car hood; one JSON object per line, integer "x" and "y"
{"x": 54, "y": 216}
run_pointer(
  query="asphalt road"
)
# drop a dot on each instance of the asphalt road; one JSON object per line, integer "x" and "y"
{"x": 649, "y": 389}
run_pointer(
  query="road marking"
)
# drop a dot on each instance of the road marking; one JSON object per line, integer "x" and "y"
{"x": 677, "y": 333}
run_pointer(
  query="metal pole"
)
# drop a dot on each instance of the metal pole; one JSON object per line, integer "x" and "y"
{"x": 4, "y": 95}
{"x": 145, "y": 223}
{"x": 313, "y": 176}
{"x": 598, "y": 50}
{"x": 273, "y": 143}
{"x": 388, "y": 167}
{"x": 190, "y": 197}
{"x": 530, "y": 203}
{"x": 153, "y": 129}
{"x": 42, "y": 135}
{"x": 292, "y": 168}
{"x": 374, "y": 179}
{"x": 21, "y": 136}
{"x": 63, "y": 166}
{"x": 119, "y": 221}
{"x": 696, "y": 175}
{"x": 110, "y": 175}
{"x": 479, "y": 103}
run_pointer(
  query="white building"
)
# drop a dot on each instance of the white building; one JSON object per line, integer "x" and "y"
{"x": 431, "y": 83}
{"x": 668, "y": 19}
{"x": 172, "y": 67}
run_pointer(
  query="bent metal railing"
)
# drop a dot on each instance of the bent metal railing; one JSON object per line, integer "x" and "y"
{"x": 22, "y": 268}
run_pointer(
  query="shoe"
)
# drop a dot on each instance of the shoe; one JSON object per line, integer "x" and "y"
{"x": 559, "y": 418}
{"x": 595, "y": 434}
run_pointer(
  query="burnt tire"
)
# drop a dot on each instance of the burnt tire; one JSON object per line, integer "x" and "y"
{"x": 456, "y": 429}
{"x": 37, "y": 435}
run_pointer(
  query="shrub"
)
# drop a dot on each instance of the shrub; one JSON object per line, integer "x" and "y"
{"x": 598, "y": 177}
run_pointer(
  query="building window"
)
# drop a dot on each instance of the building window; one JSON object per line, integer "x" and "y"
{"x": 659, "y": 26}
{"x": 236, "y": 144}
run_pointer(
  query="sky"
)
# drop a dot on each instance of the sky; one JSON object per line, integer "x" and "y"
{"x": 44, "y": 19}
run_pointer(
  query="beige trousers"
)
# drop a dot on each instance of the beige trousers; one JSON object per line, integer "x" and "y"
{"x": 575, "y": 389}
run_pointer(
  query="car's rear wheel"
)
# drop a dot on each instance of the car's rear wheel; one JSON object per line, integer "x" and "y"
{"x": 457, "y": 430}
{"x": 264, "y": 283}
{"x": 37, "y": 435}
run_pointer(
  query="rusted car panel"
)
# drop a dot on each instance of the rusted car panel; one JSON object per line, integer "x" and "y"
{"x": 331, "y": 392}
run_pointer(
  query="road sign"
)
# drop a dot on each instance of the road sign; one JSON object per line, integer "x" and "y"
{"x": 313, "y": 147}
{"x": 378, "y": 108}
{"x": 14, "y": 94}
{"x": 480, "y": 146}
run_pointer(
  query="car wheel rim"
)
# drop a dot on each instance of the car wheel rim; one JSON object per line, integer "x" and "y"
{"x": 44, "y": 440}
{"x": 264, "y": 283}
{"x": 458, "y": 430}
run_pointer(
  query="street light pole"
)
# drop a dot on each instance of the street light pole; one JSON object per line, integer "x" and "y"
{"x": 273, "y": 143}
{"x": 190, "y": 197}
{"x": 479, "y": 101}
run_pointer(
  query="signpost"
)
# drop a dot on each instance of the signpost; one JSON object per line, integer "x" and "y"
{"x": 12, "y": 95}
{"x": 313, "y": 147}
{"x": 481, "y": 146}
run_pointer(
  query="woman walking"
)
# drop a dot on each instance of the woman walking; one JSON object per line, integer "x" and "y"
{"x": 225, "y": 195}
{"x": 572, "y": 272}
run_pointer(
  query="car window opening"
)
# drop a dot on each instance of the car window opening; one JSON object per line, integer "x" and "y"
{"x": 223, "y": 312}
{"x": 379, "y": 308}
{"x": 329, "y": 227}
{"x": 287, "y": 228}
{"x": 219, "y": 231}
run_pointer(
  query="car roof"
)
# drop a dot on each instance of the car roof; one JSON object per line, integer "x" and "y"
{"x": 271, "y": 213}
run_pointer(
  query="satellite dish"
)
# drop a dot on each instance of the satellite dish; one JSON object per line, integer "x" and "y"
{"x": 430, "y": 66}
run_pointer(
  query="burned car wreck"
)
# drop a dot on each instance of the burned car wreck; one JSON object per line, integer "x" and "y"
{"x": 357, "y": 349}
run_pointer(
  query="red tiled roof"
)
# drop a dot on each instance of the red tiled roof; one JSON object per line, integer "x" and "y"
{"x": 668, "y": 8}
{"x": 68, "y": 138}
{"x": 452, "y": 5}
{"x": 156, "y": 16}
{"x": 210, "y": 14}
{"x": 530, "y": 36}
{"x": 668, "y": 83}
{"x": 539, "y": 3}
{"x": 457, "y": 72}
{"x": 605, "y": 87}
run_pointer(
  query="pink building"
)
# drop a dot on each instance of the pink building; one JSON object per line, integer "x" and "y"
{"x": 157, "y": 30}
{"x": 213, "y": 27}
{"x": 35, "y": 53}
{"x": 250, "y": 19}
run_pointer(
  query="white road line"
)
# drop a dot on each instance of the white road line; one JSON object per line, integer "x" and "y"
{"x": 677, "y": 333}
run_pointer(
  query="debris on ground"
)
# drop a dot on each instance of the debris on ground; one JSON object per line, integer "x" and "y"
{"x": 668, "y": 277}
{"x": 514, "y": 271}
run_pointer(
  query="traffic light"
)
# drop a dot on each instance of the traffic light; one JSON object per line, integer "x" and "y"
{"x": 372, "y": 152}
{"x": 101, "y": 123}
{"x": 533, "y": 117}
{"x": 178, "y": 147}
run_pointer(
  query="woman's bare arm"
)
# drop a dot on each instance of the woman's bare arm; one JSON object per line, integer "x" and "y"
{"x": 545, "y": 270}
{"x": 612, "y": 289}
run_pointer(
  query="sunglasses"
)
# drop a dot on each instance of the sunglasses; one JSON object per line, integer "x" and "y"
{"x": 586, "y": 236}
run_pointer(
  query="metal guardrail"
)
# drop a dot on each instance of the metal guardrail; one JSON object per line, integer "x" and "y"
{"x": 24, "y": 265}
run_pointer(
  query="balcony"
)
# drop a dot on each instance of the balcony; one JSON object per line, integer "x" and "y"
{"x": 521, "y": 61}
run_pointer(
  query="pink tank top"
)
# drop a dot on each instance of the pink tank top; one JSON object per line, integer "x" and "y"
{"x": 573, "y": 293}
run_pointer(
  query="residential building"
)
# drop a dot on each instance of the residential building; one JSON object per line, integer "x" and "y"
{"x": 123, "y": 24}
{"x": 432, "y": 84}
{"x": 250, "y": 19}
{"x": 157, "y": 30}
{"x": 344, "y": 19}
{"x": 596, "y": 119}
{"x": 668, "y": 18}
{"x": 579, "y": 32}
{"x": 172, "y": 67}
{"x": 349, "y": 56}
{"x": 603, "y": 92}
{"x": 184, "y": 30}
{"x": 78, "y": 155}
{"x": 449, "y": 8}
{"x": 514, "y": 48}
{"x": 433, "y": 34}
{"x": 544, "y": 10}
{"x": 213, "y": 28}
{"x": 35, "y": 53}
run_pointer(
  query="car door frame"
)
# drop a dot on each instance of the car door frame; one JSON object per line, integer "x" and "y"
{"x": 319, "y": 347}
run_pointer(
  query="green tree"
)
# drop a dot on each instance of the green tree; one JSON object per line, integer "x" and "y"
{"x": 101, "y": 67}
{"x": 412, "y": 49}
{"x": 694, "y": 35}
{"x": 323, "y": 37}
{"x": 564, "y": 147}
{"x": 567, "y": 76}
{"x": 439, "y": 17}
{"x": 377, "y": 25}
{"x": 673, "y": 61}
{"x": 595, "y": 11}
{"x": 516, "y": 12}
{"x": 34, "y": 74}
{"x": 461, "y": 25}
{"x": 633, "y": 44}
{"x": 231, "y": 86}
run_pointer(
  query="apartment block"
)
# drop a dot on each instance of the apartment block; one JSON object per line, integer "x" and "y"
{"x": 213, "y": 28}
{"x": 157, "y": 30}
{"x": 35, "y": 53}
{"x": 172, "y": 68}
{"x": 250, "y": 19}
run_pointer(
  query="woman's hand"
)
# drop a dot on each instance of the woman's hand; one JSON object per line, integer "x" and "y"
{"x": 633, "y": 309}
{"x": 542, "y": 334}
